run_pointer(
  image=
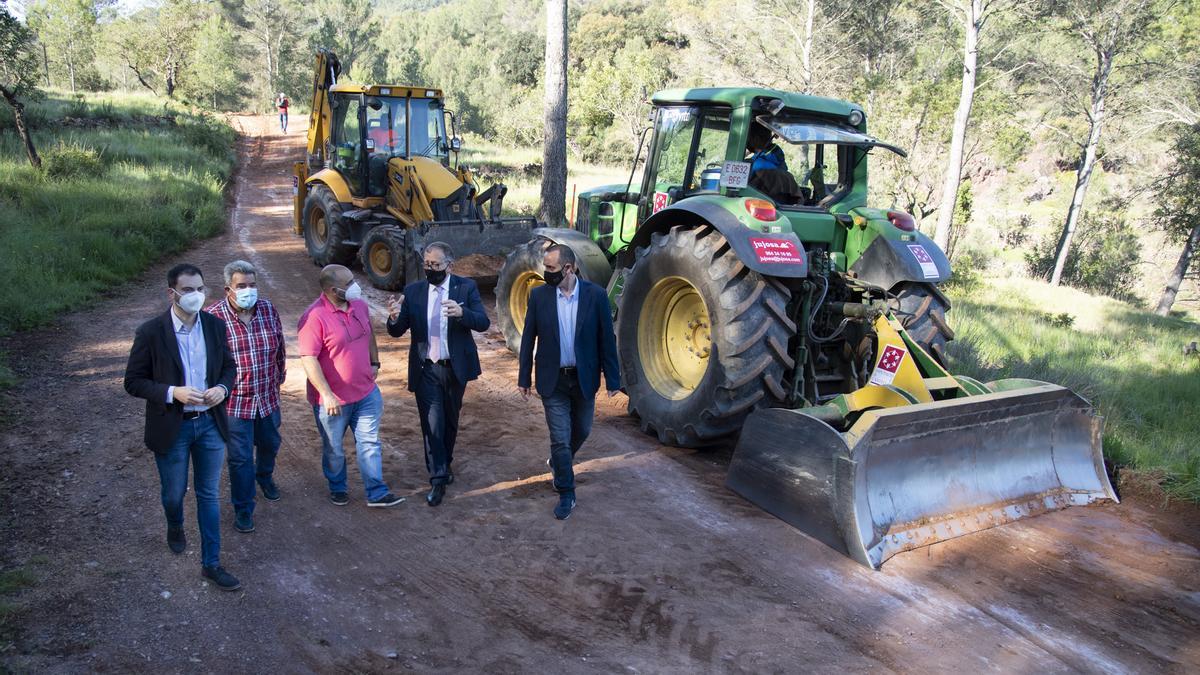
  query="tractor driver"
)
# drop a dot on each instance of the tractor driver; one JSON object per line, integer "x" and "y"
{"x": 765, "y": 153}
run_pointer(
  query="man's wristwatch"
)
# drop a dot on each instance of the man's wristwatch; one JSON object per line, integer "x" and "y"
{"x": 376, "y": 364}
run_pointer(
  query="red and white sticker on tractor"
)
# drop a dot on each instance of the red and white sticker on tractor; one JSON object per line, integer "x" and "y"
{"x": 928, "y": 267}
{"x": 776, "y": 251}
{"x": 660, "y": 202}
{"x": 889, "y": 364}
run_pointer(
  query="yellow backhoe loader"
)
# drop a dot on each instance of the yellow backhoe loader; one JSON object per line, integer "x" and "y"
{"x": 377, "y": 183}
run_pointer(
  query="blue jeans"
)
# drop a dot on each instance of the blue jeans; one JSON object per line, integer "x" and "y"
{"x": 244, "y": 468}
{"x": 199, "y": 440}
{"x": 362, "y": 418}
{"x": 283, "y": 121}
{"x": 569, "y": 417}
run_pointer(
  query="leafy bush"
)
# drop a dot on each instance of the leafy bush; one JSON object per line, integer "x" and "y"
{"x": 207, "y": 132}
{"x": 69, "y": 159}
{"x": 1103, "y": 256}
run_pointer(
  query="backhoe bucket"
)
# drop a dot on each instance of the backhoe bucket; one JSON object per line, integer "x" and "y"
{"x": 910, "y": 476}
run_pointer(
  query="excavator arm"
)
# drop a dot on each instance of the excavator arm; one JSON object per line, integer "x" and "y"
{"x": 320, "y": 122}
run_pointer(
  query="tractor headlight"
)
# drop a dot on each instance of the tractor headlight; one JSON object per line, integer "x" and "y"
{"x": 855, "y": 118}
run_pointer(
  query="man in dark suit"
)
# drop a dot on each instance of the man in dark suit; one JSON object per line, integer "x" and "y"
{"x": 441, "y": 311}
{"x": 181, "y": 364}
{"x": 570, "y": 321}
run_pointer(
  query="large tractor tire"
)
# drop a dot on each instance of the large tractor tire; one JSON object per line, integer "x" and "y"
{"x": 703, "y": 340}
{"x": 324, "y": 230}
{"x": 922, "y": 312}
{"x": 383, "y": 257}
{"x": 522, "y": 272}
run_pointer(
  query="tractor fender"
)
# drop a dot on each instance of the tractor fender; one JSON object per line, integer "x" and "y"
{"x": 334, "y": 181}
{"x": 593, "y": 264}
{"x": 773, "y": 254}
{"x": 887, "y": 262}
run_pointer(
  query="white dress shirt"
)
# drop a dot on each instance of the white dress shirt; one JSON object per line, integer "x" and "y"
{"x": 433, "y": 306}
{"x": 568, "y": 310}
{"x": 194, "y": 357}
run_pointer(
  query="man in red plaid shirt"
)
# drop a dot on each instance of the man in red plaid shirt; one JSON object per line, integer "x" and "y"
{"x": 256, "y": 339}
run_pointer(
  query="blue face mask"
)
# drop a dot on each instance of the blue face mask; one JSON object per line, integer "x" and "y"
{"x": 246, "y": 297}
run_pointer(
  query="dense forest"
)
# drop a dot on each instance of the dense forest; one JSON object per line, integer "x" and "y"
{"x": 1058, "y": 139}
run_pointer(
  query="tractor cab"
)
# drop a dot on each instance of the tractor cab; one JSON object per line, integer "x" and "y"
{"x": 371, "y": 125}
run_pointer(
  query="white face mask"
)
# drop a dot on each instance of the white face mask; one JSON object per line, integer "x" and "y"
{"x": 353, "y": 292}
{"x": 190, "y": 302}
{"x": 246, "y": 297}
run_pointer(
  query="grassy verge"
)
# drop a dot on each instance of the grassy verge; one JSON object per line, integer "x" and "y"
{"x": 1128, "y": 362}
{"x": 126, "y": 180}
{"x": 521, "y": 170}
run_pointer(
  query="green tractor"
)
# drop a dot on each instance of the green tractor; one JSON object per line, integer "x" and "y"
{"x": 757, "y": 296}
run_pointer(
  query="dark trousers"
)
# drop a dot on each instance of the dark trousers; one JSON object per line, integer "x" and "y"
{"x": 247, "y": 466}
{"x": 569, "y": 415}
{"x": 439, "y": 401}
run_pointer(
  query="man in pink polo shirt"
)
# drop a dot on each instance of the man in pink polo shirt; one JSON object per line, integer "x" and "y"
{"x": 341, "y": 359}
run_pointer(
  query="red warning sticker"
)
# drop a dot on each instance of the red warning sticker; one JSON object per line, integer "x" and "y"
{"x": 660, "y": 202}
{"x": 777, "y": 251}
{"x": 889, "y": 364}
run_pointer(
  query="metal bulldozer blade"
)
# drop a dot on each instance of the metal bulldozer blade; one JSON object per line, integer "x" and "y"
{"x": 911, "y": 476}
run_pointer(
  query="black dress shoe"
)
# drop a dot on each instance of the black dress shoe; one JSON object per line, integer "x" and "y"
{"x": 222, "y": 579}
{"x": 176, "y": 540}
{"x": 435, "y": 495}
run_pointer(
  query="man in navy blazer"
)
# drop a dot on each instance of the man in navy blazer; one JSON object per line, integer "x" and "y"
{"x": 181, "y": 365}
{"x": 570, "y": 321}
{"x": 441, "y": 311}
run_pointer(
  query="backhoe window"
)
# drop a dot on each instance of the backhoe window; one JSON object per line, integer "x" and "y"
{"x": 348, "y": 155}
{"x": 428, "y": 129}
{"x": 385, "y": 126}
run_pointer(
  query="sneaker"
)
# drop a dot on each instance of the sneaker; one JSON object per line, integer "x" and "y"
{"x": 339, "y": 498}
{"x": 387, "y": 500}
{"x": 243, "y": 522}
{"x": 176, "y": 540}
{"x": 223, "y": 580}
{"x": 270, "y": 490}
{"x": 566, "y": 504}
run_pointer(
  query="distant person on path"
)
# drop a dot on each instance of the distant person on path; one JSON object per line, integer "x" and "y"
{"x": 569, "y": 321}
{"x": 341, "y": 360}
{"x": 441, "y": 311}
{"x": 255, "y": 337}
{"x": 181, "y": 364}
{"x": 282, "y": 103}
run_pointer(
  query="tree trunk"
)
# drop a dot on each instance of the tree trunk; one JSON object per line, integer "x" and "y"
{"x": 552, "y": 210}
{"x": 958, "y": 138}
{"x": 45, "y": 65}
{"x": 18, "y": 109}
{"x": 1086, "y": 163}
{"x": 71, "y": 73}
{"x": 1176, "y": 279}
{"x": 806, "y": 47}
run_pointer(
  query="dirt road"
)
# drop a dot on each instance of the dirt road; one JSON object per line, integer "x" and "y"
{"x": 660, "y": 569}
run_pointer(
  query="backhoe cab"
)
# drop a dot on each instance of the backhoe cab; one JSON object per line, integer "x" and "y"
{"x": 378, "y": 183}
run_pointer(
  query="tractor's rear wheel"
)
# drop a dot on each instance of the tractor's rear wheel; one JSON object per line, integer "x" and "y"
{"x": 324, "y": 229}
{"x": 522, "y": 272}
{"x": 383, "y": 255}
{"x": 922, "y": 312}
{"x": 702, "y": 338}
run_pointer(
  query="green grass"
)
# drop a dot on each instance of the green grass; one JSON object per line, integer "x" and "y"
{"x": 520, "y": 170}
{"x": 1128, "y": 362}
{"x": 127, "y": 181}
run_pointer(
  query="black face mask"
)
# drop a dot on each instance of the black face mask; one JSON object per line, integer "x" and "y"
{"x": 435, "y": 277}
{"x": 553, "y": 278}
